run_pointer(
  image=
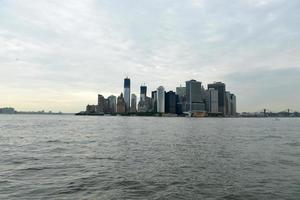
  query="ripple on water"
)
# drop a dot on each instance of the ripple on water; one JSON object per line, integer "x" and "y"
{"x": 293, "y": 144}
{"x": 67, "y": 157}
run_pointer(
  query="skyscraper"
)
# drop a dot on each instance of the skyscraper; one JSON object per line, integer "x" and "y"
{"x": 220, "y": 87}
{"x": 227, "y": 103}
{"x": 154, "y": 101}
{"x": 112, "y": 103}
{"x": 121, "y": 104}
{"x": 161, "y": 99}
{"x": 144, "y": 103}
{"x": 193, "y": 96}
{"x": 181, "y": 91}
{"x": 133, "y": 103}
{"x": 181, "y": 99}
{"x": 233, "y": 105}
{"x": 170, "y": 102}
{"x": 212, "y": 100}
{"x": 143, "y": 93}
{"x": 101, "y": 102}
{"x": 127, "y": 94}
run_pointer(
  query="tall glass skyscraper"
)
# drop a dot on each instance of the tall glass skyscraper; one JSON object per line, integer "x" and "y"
{"x": 127, "y": 94}
{"x": 143, "y": 93}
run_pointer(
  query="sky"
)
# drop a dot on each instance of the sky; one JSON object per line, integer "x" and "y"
{"x": 59, "y": 54}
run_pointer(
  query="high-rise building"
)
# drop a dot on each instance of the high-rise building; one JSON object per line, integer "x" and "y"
{"x": 106, "y": 106}
{"x": 212, "y": 100}
{"x": 127, "y": 94}
{"x": 181, "y": 100}
{"x": 133, "y": 103}
{"x": 170, "y": 102}
{"x": 233, "y": 105}
{"x": 121, "y": 104}
{"x": 220, "y": 87}
{"x": 100, "y": 106}
{"x": 144, "y": 103}
{"x": 227, "y": 103}
{"x": 179, "y": 105}
{"x": 194, "y": 96}
{"x": 143, "y": 93}
{"x": 112, "y": 102}
{"x": 154, "y": 101}
{"x": 161, "y": 99}
{"x": 181, "y": 91}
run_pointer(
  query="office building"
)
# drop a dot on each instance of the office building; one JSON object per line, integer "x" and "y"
{"x": 100, "y": 106}
{"x": 227, "y": 104}
{"x": 181, "y": 91}
{"x": 233, "y": 105}
{"x": 127, "y": 94}
{"x": 193, "y": 96}
{"x": 106, "y": 109}
{"x": 143, "y": 93}
{"x": 144, "y": 103}
{"x": 161, "y": 99}
{"x": 112, "y": 104}
{"x": 91, "y": 109}
{"x": 154, "y": 101}
{"x": 170, "y": 102}
{"x": 212, "y": 100}
{"x": 120, "y": 104}
{"x": 133, "y": 103}
{"x": 220, "y": 87}
{"x": 181, "y": 100}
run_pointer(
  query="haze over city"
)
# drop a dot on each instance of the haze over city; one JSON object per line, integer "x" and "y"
{"x": 58, "y": 55}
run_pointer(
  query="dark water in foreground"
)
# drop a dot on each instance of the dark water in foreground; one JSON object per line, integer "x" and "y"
{"x": 71, "y": 157}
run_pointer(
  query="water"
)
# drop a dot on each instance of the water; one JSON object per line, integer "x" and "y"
{"x": 77, "y": 157}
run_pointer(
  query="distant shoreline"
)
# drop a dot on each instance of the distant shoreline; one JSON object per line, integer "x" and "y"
{"x": 144, "y": 115}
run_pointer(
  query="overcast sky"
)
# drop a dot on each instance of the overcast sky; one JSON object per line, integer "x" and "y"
{"x": 59, "y": 54}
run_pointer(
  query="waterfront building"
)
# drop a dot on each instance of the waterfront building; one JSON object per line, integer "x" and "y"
{"x": 145, "y": 105}
{"x": 170, "y": 102}
{"x": 133, "y": 103}
{"x": 181, "y": 91}
{"x": 194, "y": 96}
{"x": 143, "y": 93}
{"x": 154, "y": 101}
{"x": 145, "y": 102}
{"x": 112, "y": 104}
{"x": 233, "y": 104}
{"x": 161, "y": 99}
{"x": 100, "y": 106}
{"x": 227, "y": 103}
{"x": 127, "y": 94}
{"x": 121, "y": 104}
{"x": 220, "y": 87}
{"x": 106, "y": 109}
{"x": 179, "y": 105}
{"x": 91, "y": 109}
{"x": 212, "y": 100}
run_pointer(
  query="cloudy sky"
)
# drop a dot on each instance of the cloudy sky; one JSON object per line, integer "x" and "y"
{"x": 59, "y": 54}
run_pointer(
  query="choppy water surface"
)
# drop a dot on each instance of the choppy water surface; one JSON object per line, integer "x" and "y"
{"x": 72, "y": 157}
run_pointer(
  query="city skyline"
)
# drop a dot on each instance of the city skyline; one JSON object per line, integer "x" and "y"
{"x": 193, "y": 100}
{"x": 60, "y": 57}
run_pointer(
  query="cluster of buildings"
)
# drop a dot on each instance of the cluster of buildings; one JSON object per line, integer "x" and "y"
{"x": 192, "y": 100}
